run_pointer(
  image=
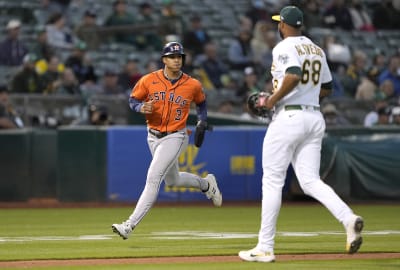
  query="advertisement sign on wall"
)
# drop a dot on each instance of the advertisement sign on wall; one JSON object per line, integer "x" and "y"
{"x": 232, "y": 154}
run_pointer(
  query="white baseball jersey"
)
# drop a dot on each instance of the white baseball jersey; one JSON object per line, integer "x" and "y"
{"x": 301, "y": 52}
{"x": 294, "y": 136}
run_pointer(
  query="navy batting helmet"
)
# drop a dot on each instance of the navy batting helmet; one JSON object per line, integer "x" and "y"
{"x": 173, "y": 48}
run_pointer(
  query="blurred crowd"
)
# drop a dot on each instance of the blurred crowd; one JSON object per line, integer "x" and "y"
{"x": 61, "y": 56}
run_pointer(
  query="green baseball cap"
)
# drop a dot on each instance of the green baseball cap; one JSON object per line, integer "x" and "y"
{"x": 290, "y": 15}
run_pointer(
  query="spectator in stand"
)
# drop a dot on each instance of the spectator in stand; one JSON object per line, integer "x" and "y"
{"x": 118, "y": 18}
{"x": 212, "y": 65}
{"x": 250, "y": 83}
{"x": 189, "y": 66}
{"x": 81, "y": 64}
{"x": 50, "y": 79}
{"x": 337, "y": 15}
{"x": 97, "y": 115}
{"x": 109, "y": 84}
{"x": 88, "y": 89}
{"x": 385, "y": 15}
{"x": 149, "y": 38}
{"x": 171, "y": 22}
{"x": 88, "y": 30}
{"x": 386, "y": 91}
{"x": 368, "y": 88}
{"x": 27, "y": 80}
{"x": 396, "y": 115}
{"x": 257, "y": 12}
{"x": 332, "y": 116}
{"x": 226, "y": 107}
{"x": 379, "y": 60}
{"x": 354, "y": 73}
{"x": 338, "y": 90}
{"x": 372, "y": 117}
{"x": 245, "y": 23}
{"x": 201, "y": 75}
{"x": 392, "y": 72}
{"x": 8, "y": 117}
{"x": 337, "y": 54}
{"x": 258, "y": 41}
{"x": 312, "y": 14}
{"x": 12, "y": 49}
{"x": 231, "y": 83}
{"x": 360, "y": 16}
{"x": 262, "y": 42}
{"x": 41, "y": 46}
{"x": 384, "y": 115}
{"x": 240, "y": 54}
{"x": 130, "y": 74}
{"x": 59, "y": 35}
{"x": 196, "y": 37}
{"x": 266, "y": 60}
{"x": 69, "y": 84}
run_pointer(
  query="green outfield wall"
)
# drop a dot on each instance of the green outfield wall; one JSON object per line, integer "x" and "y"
{"x": 89, "y": 163}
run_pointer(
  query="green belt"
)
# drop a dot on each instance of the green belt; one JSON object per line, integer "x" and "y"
{"x": 300, "y": 107}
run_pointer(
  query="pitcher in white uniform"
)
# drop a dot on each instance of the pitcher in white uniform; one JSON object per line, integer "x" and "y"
{"x": 301, "y": 76}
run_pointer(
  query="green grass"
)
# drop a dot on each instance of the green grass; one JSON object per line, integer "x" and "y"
{"x": 292, "y": 265}
{"x": 150, "y": 238}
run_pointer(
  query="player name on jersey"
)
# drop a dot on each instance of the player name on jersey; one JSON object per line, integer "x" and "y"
{"x": 303, "y": 49}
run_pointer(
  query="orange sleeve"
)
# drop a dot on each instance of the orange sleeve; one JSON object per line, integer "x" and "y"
{"x": 199, "y": 95}
{"x": 141, "y": 90}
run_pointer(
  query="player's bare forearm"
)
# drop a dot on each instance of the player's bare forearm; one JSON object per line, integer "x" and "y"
{"x": 288, "y": 84}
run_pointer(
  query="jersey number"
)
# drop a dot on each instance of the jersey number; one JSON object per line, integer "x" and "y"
{"x": 178, "y": 115}
{"x": 311, "y": 70}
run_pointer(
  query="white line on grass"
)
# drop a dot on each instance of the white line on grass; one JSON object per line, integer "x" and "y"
{"x": 55, "y": 238}
{"x": 184, "y": 235}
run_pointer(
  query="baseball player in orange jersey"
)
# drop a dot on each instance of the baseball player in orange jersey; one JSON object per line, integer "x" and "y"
{"x": 300, "y": 77}
{"x": 165, "y": 96}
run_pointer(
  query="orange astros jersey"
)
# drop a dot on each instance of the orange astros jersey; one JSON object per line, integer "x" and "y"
{"x": 172, "y": 101}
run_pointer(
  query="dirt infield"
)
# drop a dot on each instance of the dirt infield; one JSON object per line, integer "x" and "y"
{"x": 202, "y": 259}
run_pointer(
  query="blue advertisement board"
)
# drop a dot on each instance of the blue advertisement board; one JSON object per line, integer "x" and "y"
{"x": 232, "y": 154}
